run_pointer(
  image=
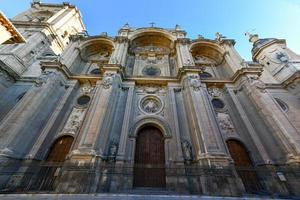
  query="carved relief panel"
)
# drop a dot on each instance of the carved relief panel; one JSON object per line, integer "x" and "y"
{"x": 150, "y": 100}
{"x": 78, "y": 112}
{"x": 224, "y": 120}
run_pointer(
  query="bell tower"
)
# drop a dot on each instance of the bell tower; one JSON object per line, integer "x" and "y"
{"x": 281, "y": 62}
{"x": 46, "y": 28}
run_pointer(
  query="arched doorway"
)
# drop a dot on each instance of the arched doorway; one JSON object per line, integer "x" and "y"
{"x": 244, "y": 166}
{"x": 60, "y": 149}
{"x": 149, "y": 170}
{"x": 49, "y": 171}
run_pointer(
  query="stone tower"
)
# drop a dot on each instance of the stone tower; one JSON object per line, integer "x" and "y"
{"x": 146, "y": 108}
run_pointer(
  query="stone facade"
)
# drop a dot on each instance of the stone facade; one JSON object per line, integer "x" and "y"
{"x": 101, "y": 91}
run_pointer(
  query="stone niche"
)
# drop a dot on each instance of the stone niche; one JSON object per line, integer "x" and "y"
{"x": 93, "y": 55}
{"x": 210, "y": 58}
{"x": 153, "y": 55}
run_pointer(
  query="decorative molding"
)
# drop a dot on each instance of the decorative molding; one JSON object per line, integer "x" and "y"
{"x": 16, "y": 37}
{"x": 108, "y": 80}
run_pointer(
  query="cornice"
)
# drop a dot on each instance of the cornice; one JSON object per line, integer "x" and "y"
{"x": 292, "y": 79}
{"x": 149, "y": 80}
{"x": 16, "y": 37}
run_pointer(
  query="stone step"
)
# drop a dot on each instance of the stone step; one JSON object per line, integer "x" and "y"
{"x": 117, "y": 197}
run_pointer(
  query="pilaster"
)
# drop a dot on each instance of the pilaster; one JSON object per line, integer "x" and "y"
{"x": 284, "y": 131}
{"x": 20, "y": 127}
{"x": 205, "y": 134}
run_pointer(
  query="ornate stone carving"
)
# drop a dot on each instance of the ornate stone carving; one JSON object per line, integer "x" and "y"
{"x": 219, "y": 37}
{"x": 107, "y": 80}
{"x": 203, "y": 60}
{"x": 183, "y": 41}
{"x": 121, "y": 39}
{"x": 214, "y": 92}
{"x": 194, "y": 82}
{"x": 43, "y": 78}
{"x": 225, "y": 123}
{"x": 256, "y": 82}
{"x": 187, "y": 150}
{"x": 87, "y": 89}
{"x": 74, "y": 121}
{"x": 151, "y": 104}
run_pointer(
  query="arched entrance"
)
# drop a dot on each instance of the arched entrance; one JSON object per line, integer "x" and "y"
{"x": 60, "y": 149}
{"x": 149, "y": 170}
{"x": 55, "y": 159}
{"x": 244, "y": 166}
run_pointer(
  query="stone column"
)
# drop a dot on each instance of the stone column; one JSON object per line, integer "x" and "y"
{"x": 232, "y": 57}
{"x": 120, "y": 52}
{"x": 185, "y": 58}
{"x": 47, "y": 131}
{"x": 91, "y": 141}
{"x": 20, "y": 128}
{"x": 125, "y": 127}
{"x": 206, "y": 136}
{"x": 89, "y": 133}
{"x": 249, "y": 126}
{"x": 284, "y": 131}
{"x": 173, "y": 110}
{"x": 207, "y": 141}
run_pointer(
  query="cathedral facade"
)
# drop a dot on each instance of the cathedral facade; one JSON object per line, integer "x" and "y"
{"x": 148, "y": 108}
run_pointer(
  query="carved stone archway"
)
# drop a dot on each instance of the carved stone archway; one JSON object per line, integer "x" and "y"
{"x": 155, "y": 121}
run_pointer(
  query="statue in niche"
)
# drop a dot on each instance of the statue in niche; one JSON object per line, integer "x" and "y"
{"x": 187, "y": 150}
{"x": 113, "y": 150}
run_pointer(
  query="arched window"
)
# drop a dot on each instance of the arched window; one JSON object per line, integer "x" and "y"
{"x": 95, "y": 71}
{"x": 282, "y": 104}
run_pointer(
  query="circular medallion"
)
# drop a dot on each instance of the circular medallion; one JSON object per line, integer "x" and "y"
{"x": 151, "y": 70}
{"x": 151, "y": 105}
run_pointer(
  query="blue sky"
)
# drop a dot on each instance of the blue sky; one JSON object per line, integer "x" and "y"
{"x": 232, "y": 18}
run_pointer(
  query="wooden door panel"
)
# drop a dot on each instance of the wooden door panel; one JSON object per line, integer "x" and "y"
{"x": 244, "y": 165}
{"x": 149, "y": 159}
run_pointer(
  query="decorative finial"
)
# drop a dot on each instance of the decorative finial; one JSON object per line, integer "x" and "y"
{"x": 104, "y": 34}
{"x": 126, "y": 26}
{"x": 219, "y": 36}
{"x": 177, "y": 27}
{"x": 152, "y": 24}
{"x": 252, "y": 37}
{"x": 200, "y": 37}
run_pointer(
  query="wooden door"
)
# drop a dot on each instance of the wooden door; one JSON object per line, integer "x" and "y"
{"x": 48, "y": 173}
{"x": 244, "y": 166}
{"x": 149, "y": 168}
{"x": 60, "y": 149}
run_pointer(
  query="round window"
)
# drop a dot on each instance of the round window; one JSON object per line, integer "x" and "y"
{"x": 151, "y": 70}
{"x": 205, "y": 75}
{"x": 95, "y": 71}
{"x": 218, "y": 104}
{"x": 83, "y": 100}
